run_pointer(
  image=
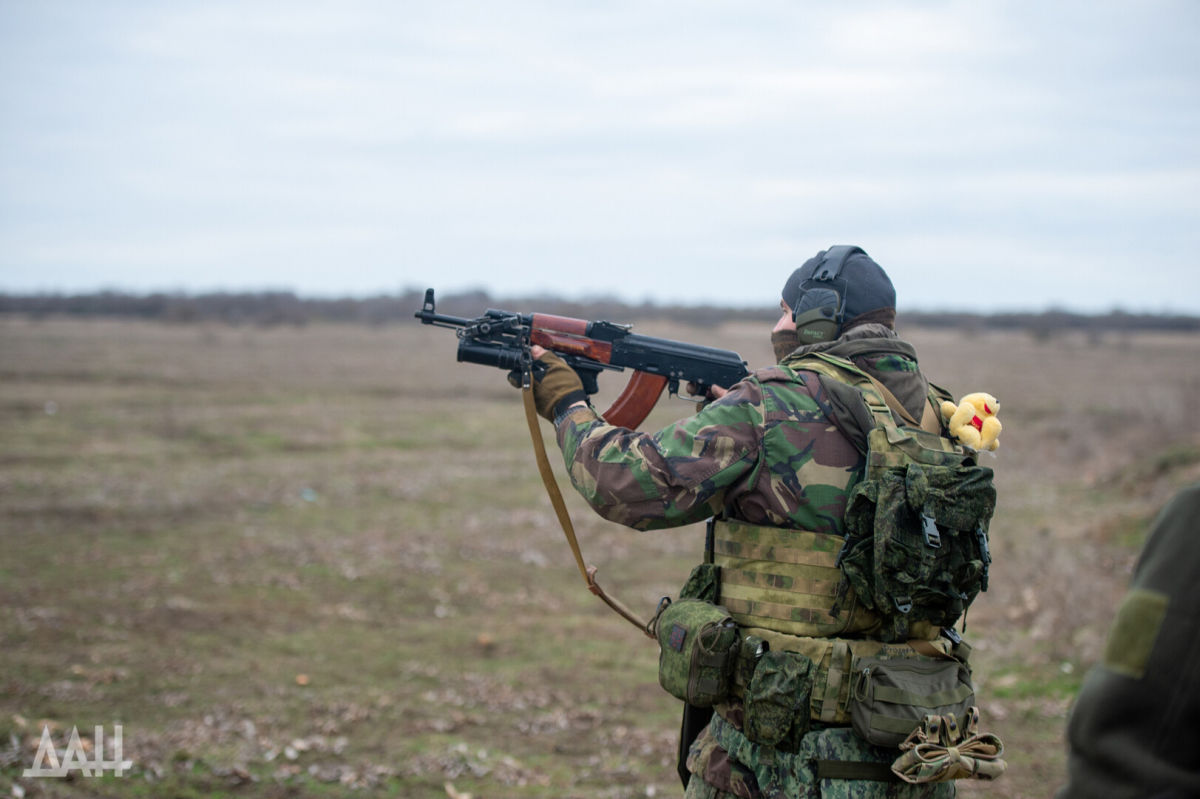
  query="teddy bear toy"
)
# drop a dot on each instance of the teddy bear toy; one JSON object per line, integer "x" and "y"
{"x": 973, "y": 420}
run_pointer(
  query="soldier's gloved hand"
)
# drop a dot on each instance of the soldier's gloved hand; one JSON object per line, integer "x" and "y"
{"x": 709, "y": 393}
{"x": 557, "y": 389}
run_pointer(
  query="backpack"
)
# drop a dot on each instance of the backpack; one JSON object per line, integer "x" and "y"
{"x": 916, "y": 526}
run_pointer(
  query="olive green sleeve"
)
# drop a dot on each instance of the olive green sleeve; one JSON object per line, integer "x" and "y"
{"x": 1133, "y": 729}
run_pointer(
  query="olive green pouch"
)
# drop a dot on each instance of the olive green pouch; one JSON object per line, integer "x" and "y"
{"x": 890, "y": 698}
{"x": 777, "y": 700}
{"x": 703, "y": 583}
{"x": 698, "y": 644}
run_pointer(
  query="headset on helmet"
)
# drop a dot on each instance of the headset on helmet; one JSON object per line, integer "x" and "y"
{"x": 821, "y": 307}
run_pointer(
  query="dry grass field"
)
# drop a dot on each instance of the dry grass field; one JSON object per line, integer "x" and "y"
{"x": 318, "y": 561}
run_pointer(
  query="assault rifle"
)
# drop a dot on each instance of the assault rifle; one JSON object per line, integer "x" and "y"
{"x": 503, "y": 339}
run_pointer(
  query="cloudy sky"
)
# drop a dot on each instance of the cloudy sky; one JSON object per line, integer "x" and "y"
{"x": 990, "y": 155}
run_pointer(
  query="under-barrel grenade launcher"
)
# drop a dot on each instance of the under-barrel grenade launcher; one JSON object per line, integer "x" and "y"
{"x": 503, "y": 339}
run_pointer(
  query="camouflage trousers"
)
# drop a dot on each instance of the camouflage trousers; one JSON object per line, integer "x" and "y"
{"x": 724, "y": 764}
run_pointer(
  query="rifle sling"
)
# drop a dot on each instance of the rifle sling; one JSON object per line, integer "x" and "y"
{"x": 564, "y": 518}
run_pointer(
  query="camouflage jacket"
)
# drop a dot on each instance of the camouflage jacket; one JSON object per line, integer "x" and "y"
{"x": 767, "y": 452}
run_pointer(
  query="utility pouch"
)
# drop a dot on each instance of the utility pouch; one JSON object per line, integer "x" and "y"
{"x": 750, "y": 651}
{"x": 890, "y": 698}
{"x": 698, "y": 644}
{"x": 703, "y": 583}
{"x": 777, "y": 700}
{"x": 940, "y": 750}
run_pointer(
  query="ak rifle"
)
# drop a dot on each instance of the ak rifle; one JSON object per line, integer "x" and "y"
{"x": 503, "y": 339}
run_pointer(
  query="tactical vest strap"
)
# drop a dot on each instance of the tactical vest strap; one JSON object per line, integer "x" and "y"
{"x": 879, "y": 398}
{"x": 831, "y": 696}
{"x": 890, "y": 447}
{"x": 847, "y": 372}
{"x": 929, "y": 419}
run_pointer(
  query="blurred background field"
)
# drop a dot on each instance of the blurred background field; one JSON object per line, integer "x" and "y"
{"x": 317, "y": 560}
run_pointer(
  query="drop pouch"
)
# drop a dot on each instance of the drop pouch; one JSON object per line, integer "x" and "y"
{"x": 698, "y": 644}
{"x": 890, "y": 698}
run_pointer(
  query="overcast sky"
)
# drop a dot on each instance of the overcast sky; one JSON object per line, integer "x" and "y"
{"x": 990, "y": 155}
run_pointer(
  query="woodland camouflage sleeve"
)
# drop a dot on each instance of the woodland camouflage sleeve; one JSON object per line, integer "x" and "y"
{"x": 676, "y": 476}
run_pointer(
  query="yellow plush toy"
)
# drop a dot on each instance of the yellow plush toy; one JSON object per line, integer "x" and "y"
{"x": 973, "y": 420}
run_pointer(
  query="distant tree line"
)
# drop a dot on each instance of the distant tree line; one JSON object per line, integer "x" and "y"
{"x": 286, "y": 308}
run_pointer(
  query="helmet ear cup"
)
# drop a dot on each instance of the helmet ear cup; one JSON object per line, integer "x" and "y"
{"x": 817, "y": 316}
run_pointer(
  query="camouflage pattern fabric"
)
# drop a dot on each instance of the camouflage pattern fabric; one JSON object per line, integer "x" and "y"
{"x": 890, "y": 560}
{"x": 766, "y": 453}
{"x": 724, "y": 764}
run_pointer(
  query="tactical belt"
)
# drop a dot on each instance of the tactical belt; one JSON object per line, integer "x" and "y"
{"x": 834, "y": 659}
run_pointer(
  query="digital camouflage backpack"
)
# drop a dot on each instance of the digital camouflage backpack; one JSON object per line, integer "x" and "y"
{"x": 916, "y": 525}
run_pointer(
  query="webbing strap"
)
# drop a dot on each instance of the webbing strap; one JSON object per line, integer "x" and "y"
{"x": 735, "y": 553}
{"x": 564, "y": 518}
{"x": 927, "y": 649}
{"x": 900, "y": 696}
{"x": 833, "y": 681}
{"x": 746, "y": 542}
{"x": 855, "y": 770}
{"x": 893, "y": 402}
{"x": 929, "y": 421}
{"x": 890, "y": 724}
{"x": 785, "y": 583}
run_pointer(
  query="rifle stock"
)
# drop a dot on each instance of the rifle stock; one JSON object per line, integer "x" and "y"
{"x": 503, "y": 339}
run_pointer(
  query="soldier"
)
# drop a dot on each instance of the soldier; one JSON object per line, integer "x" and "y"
{"x": 767, "y": 451}
{"x": 1132, "y": 731}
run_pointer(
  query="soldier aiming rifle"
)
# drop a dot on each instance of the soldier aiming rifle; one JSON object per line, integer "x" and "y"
{"x": 815, "y": 647}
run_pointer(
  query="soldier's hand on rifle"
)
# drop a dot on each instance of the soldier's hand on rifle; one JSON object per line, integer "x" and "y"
{"x": 557, "y": 389}
{"x": 713, "y": 392}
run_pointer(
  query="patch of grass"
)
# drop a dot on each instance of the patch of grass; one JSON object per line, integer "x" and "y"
{"x": 1048, "y": 682}
{"x": 1127, "y": 531}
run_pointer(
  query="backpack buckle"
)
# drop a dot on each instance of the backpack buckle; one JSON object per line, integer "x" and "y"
{"x": 933, "y": 538}
{"x": 951, "y": 635}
